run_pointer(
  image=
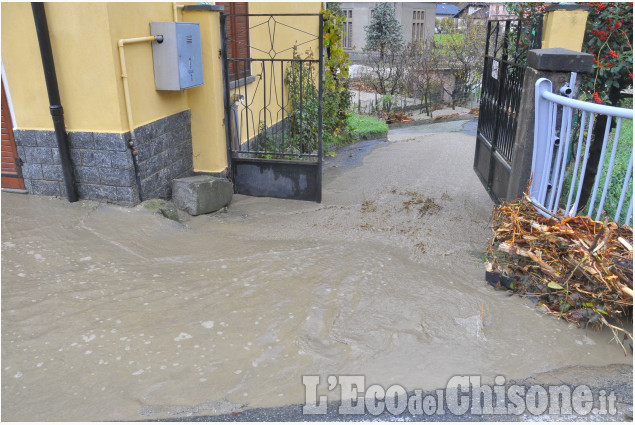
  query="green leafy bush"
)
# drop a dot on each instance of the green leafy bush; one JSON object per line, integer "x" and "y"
{"x": 301, "y": 78}
{"x": 336, "y": 97}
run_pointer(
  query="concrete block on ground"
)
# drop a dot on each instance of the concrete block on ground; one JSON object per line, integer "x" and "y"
{"x": 201, "y": 194}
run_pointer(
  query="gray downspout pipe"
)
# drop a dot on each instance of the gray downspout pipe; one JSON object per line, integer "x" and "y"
{"x": 57, "y": 112}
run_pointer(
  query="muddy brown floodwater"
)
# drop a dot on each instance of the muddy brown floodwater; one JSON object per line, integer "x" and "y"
{"x": 112, "y": 313}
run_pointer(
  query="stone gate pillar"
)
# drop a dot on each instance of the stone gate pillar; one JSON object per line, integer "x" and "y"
{"x": 556, "y": 64}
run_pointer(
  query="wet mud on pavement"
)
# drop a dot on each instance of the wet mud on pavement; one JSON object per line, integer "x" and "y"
{"x": 112, "y": 313}
{"x": 616, "y": 377}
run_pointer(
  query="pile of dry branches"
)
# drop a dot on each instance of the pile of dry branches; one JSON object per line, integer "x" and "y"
{"x": 579, "y": 269}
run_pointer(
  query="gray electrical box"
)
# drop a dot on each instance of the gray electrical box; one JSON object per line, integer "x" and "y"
{"x": 178, "y": 62}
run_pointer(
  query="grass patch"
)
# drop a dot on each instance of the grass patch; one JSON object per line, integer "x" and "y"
{"x": 444, "y": 38}
{"x": 358, "y": 127}
{"x": 166, "y": 208}
{"x": 363, "y": 126}
{"x": 620, "y": 166}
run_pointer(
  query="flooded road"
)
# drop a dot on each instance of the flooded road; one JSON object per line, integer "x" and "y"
{"x": 112, "y": 313}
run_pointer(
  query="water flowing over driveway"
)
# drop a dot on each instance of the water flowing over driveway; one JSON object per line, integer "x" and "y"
{"x": 112, "y": 313}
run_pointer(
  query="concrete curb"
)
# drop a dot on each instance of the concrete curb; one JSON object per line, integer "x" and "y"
{"x": 372, "y": 136}
{"x": 460, "y": 117}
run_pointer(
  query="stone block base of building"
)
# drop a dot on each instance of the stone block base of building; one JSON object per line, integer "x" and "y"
{"x": 103, "y": 166}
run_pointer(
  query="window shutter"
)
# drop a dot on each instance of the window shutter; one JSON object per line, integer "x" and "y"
{"x": 237, "y": 30}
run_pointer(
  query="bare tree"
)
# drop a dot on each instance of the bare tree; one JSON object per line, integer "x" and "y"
{"x": 421, "y": 61}
{"x": 461, "y": 52}
{"x": 387, "y": 71}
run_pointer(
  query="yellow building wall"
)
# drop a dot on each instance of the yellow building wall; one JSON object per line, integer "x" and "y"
{"x": 564, "y": 28}
{"x": 209, "y": 144}
{"x": 129, "y": 20}
{"x": 23, "y": 66}
{"x": 84, "y": 40}
{"x": 83, "y": 64}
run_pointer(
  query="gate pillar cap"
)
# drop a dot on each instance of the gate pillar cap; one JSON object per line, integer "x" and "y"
{"x": 555, "y": 7}
{"x": 559, "y": 59}
{"x": 208, "y": 7}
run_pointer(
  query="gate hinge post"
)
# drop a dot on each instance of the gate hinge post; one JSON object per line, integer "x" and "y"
{"x": 554, "y": 65}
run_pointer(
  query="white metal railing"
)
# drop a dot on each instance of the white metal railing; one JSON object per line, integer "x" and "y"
{"x": 555, "y": 165}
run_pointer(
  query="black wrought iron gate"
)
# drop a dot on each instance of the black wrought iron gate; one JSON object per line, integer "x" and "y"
{"x": 508, "y": 42}
{"x": 272, "y": 73}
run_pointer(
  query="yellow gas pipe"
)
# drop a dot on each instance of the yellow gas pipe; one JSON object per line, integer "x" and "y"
{"x": 176, "y": 7}
{"x": 124, "y": 77}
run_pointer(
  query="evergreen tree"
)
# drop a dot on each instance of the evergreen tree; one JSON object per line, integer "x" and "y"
{"x": 384, "y": 31}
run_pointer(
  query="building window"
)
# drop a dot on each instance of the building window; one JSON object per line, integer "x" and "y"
{"x": 347, "y": 30}
{"x": 237, "y": 30}
{"x": 418, "y": 24}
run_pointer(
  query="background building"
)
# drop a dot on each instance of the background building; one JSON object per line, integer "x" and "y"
{"x": 473, "y": 11}
{"x": 417, "y": 19}
{"x": 444, "y": 12}
{"x": 490, "y": 11}
{"x": 499, "y": 11}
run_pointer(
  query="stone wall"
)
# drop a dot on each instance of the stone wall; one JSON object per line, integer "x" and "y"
{"x": 103, "y": 166}
{"x": 165, "y": 154}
